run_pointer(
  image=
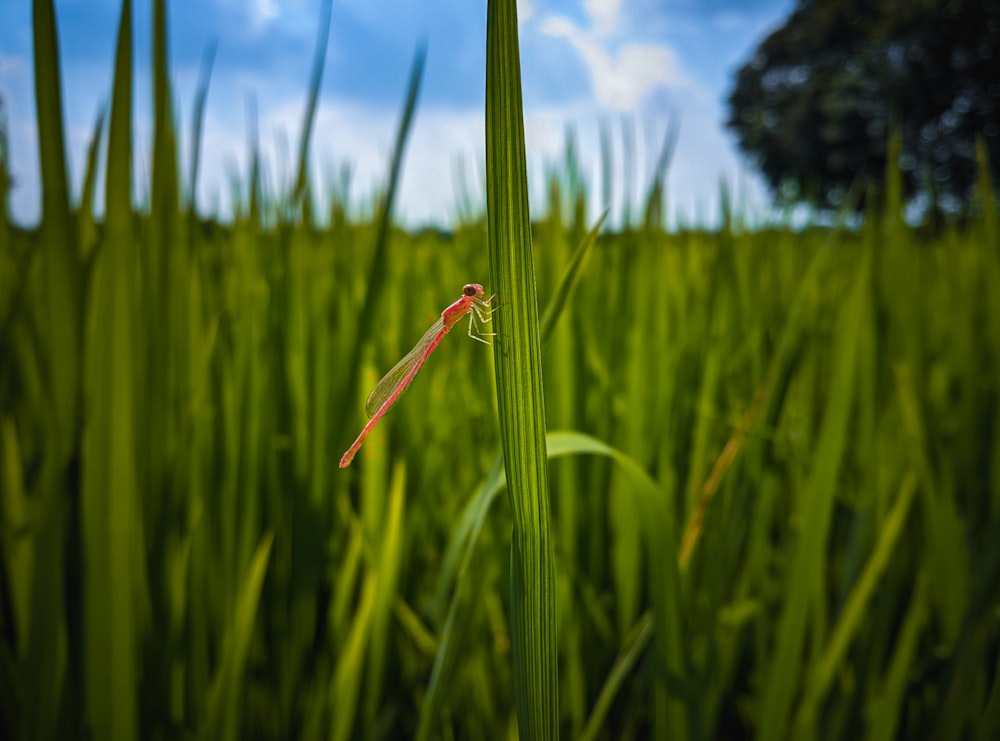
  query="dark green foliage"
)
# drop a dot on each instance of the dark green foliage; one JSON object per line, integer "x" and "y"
{"x": 814, "y": 106}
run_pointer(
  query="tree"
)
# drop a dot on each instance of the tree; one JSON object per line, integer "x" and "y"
{"x": 815, "y": 105}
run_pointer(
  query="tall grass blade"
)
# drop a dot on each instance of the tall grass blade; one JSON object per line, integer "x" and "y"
{"x": 569, "y": 278}
{"x": 458, "y": 560}
{"x": 315, "y": 78}
{"x": 161, "y": 294}
{"x": 984, "y": 197}
{"x": 62, "y": 288}
{"x": 44, "y": 663}
{"x": 989, "y": 726}
{"x": 4, "y": 178}
{"x": 379, "y": 260}
{"x": 389, "y": 564}
{"x": 224, "y": 714}
{"x": 114, "y": 590}
{"x": 43, "y": 666}
{"x": 947, "y": 561}
{"x": 197, "y": 124}
{"x": 654, "y": 216}
{"x": 86, "y": 225}
{"x": 635, "y": 644}
{"x": 457, "y": 568}
{"x": 887, "y": 702}
{"x": 349, "y": 671}
{"x": 520, "y": 395}
{"x": 807, "y": 569}
{"x": 853, "y": 613}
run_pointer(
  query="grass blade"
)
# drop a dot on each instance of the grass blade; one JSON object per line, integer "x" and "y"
{"x": 62, "y": 289}
{"x": 389, "y": 563}
{"x": 86, "y": 226}
{"x": 224, "y": 711}
{"x": 111, "y": 519}
{"x": 319, "y": 60}
{"x": 853, "y": 614}
{"x": 379, "y": 260}
{"x": 557, "y": 301}
{"x": 197, "y": 124}
{"x": 520, "y": 396}
{"x": 635, "y": 645}
{"x": 807, "y": 562}
{"x": 886, "y": 704}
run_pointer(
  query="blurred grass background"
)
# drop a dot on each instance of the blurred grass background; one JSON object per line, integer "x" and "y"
{"x": 786, "y": 523}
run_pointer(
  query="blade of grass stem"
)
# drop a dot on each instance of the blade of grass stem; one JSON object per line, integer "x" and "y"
{"x": 347, "y": 676}
{"x": 853, "y": 614}
{"x": 111, "y": 519}
{"x": 885, "y": 705}
{"x": 60, "y": 275}
{"x": 389, "y": 562}
{"x": 224, "y": 712}
{"x": 86, "y": 227}
{"x": 520, "y": 395}
{"x": 316, "y": 77}
{"x": 569, "y": 278}
{"x": 378, "y": 270}
{"x": 635, "y": 645}
{"x": 197, "y": 124}
{"x": 807, "y": 562}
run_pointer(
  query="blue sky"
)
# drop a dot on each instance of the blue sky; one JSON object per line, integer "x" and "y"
{"x": 583, "y": 63}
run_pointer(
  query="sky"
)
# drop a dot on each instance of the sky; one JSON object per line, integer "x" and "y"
{"x": 641, "y": 65}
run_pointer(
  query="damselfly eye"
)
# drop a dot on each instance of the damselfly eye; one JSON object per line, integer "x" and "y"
{"x": 470, "y": 289}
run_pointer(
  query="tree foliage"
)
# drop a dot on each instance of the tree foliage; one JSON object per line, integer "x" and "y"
{"x": 816, "y": 103}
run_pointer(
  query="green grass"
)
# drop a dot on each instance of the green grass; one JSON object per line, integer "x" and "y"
{"x": 520, "y": 394}
{"x": 770, "y": 508}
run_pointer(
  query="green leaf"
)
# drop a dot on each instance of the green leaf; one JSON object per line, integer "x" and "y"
{"x": 115, "y": 598}
{"x": 808, "y": 566}
{"x": 62, "y": 289}
{"x": 375, "y": 287}
{"x": 319, "y": 61}
{"x": 659, "y": 538}
{"x": 853, "y": 615}
{"x": 520, "y": 396}
{"x": 197, "y": 125}
{"x": 569, "y": 279}
{"x": 224, "y": 712}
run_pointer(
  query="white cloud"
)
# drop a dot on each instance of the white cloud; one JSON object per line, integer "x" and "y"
{"x": 525, "y": 10}
{"x": 262, "y": 15}
{"x": 623, "y": 80}
{"x": 604, "y": 15}
{"x": 263, "y": 11}
{"x": 362, "y": 137}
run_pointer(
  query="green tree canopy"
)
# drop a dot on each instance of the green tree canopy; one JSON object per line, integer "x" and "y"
{"x": 815, "y": 104}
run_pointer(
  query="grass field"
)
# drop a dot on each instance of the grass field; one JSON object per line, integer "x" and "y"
{"x": 774, "y": 480}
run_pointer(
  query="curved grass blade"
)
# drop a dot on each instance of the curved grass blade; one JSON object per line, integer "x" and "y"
{"x": 197, "y": 123}
{"x": 316, "y": 77}
{"x": 224, "y": 712}
{"x": 807, "y": 562}
{"x": 569, "y": 278}
{"x": 86, "y": 228}
{"x": 660, "y": 538}
{"x": 380, "y": 250}
{"x": 853, "y": 614}
{"x": 635, "y": 645}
